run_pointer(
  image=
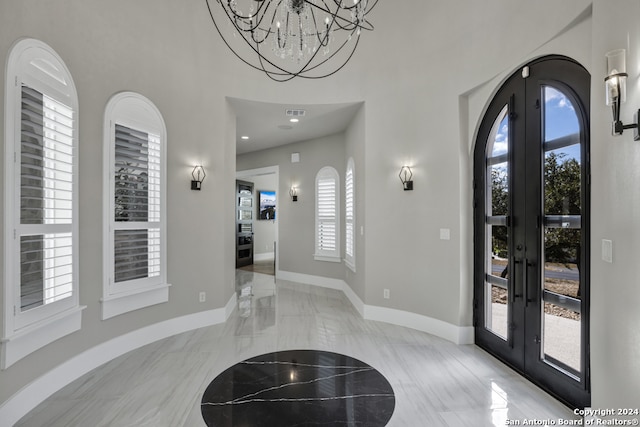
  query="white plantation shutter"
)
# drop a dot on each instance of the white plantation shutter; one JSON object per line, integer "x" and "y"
{"x": 327, "y": 215}
{"x": 349, "y": 215}
{"x": 136, "y": 204}
{"x": 45, "y": 229}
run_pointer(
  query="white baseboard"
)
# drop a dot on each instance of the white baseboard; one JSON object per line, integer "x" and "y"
{"x": 263, "y": 257}
{"x": 41, "y": 388}
{"x": 456, "y": 334}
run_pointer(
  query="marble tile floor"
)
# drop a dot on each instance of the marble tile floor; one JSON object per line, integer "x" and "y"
{"x": 436, "y": 382}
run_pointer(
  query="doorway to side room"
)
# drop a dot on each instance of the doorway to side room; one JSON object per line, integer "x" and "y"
{"x": 257, "y": 220}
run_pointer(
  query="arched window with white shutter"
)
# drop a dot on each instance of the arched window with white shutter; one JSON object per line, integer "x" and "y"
{"x": 134, "y": 188}
{"x": 327, "y": 215}
{"x": 350, "y": 216}
{"x": 41, "y": 301}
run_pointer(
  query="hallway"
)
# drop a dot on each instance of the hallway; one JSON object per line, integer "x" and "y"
{"x": 436, "y": 383}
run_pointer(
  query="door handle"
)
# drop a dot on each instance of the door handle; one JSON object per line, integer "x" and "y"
{"x": 524, "y": 290}
{"x": 526, "y": 266}
{"x": 513, "y": 294}
{"x": 525, "y": 282}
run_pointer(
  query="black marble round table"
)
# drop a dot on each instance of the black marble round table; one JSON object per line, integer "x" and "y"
{"x": 299, "y": 388}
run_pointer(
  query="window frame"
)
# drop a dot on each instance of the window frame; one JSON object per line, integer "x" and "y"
{"x": 350, "y": 217}
{"x": 135, "y": 111}
{"x": 36, "y": 65}
{"x": 327, "y": 172}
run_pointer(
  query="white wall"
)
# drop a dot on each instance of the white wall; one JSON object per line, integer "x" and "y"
{"x": 355, "y": 146}
{"x": 615, "y": 289}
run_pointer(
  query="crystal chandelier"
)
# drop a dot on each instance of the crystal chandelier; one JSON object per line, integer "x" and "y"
{"x": 293, "y": 38}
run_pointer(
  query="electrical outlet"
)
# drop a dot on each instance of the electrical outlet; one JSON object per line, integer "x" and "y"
{"x": 203, "y": 296}
{"x": 386, "y": 294}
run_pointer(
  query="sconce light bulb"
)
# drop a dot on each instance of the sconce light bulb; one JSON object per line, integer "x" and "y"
{"x": 405, "y": 176}
{"x": 198, "y": 174}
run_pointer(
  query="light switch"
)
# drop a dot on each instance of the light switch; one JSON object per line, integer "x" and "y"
{"x": 607, "y": 250}
{"x": 445, "y": 234}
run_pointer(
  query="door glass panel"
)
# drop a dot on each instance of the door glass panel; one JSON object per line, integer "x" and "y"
{"x": 561, "y": 334}
{"x": 496, "y": 235}
{"x": 496, "y": 290}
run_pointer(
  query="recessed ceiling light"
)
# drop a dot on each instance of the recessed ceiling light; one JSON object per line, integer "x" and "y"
{"x": 245, "y": 137}
{"x": 294, "y": 120}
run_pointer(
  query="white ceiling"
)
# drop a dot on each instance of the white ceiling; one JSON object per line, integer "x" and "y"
{"x": 267, "y": 125}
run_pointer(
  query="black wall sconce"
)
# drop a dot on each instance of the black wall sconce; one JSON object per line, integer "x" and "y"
{"x": 198, "y": 176}
{"x": 405, "y": 176}
{"x": 616, "y": 91}
{"x": 293, "y": 192}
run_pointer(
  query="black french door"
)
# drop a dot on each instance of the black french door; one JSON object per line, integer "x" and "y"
{"x": 531, "y": 222}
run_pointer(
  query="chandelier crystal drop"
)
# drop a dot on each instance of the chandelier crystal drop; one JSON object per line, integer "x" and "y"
{"x": 293, "y": 38}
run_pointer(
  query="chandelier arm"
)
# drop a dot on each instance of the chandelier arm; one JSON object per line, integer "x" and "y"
{"x": 267, "y": 31}
{"x": 350, "y": 25}
{"x": 256, "y": 40}
{"x": 306, "y": 67}
{"x": 262, "y": 4}
{"x": 337, "y": 69}
{"x": 252, "y": 28}
{"x": 273, "y": 16}
{"x": 282, "y": 77}
{"x": 339, "y": 4}
{"x": 271, "y": 73}
{"x": 323, "y": 40}
{"x": 283, "y": 73}
{"x": 248, "y": 21}
{"x": 334, "y": 15}
{"x": 334, "y": 53}
{"x": 262, "y": 58}
{"x": 251, "y": 33}
{"x": 299, "y": 73}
